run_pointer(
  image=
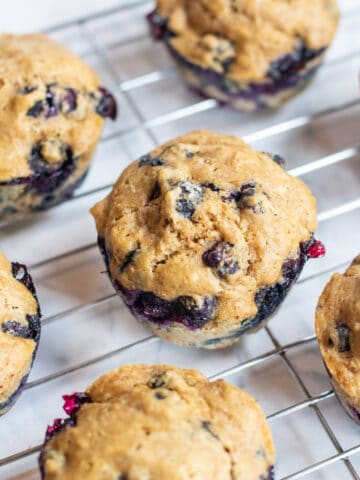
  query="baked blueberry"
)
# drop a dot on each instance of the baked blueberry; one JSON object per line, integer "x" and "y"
{"x": 219, "y": 248}
{"x": 337, "y": 321}
{"x": 221, "y": 257}
{"x": 247, "y": 54}
{"x": 189, "y": 197}
{"x": 133, "y": 413}
{"x": 51, "y": 121}
{"x": 149, "y": 161}
{"x": 19, "y": 330}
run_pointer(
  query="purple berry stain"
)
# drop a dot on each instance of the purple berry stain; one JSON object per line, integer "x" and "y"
{"x": 157, "y": 25}
{"x": 72, "y": 403}
{"x": 53, "y": 429}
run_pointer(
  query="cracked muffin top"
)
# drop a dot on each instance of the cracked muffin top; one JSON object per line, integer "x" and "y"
{"x": 337, "y": 325}
{"x": 242, "y": 37}
{"x": 46, "y": 93}
{"x": 143, "y": 422}
{"x": 20, "y": 329}
{"x": 205, "y": 215}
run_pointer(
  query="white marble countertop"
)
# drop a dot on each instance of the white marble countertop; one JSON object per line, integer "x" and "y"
{"x": 20, "y": 16}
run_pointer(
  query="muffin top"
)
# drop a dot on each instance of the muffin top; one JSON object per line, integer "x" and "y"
{"x": 46, "y": 94}
{"x": 337, "y": 324}
{"x": 19, "y": 331}
{"x": 242, "y": 37}
{"x": 162, "y": 422}
{"x": 205, "y": 216}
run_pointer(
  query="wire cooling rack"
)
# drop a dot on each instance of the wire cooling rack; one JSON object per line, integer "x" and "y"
{"x": 87, "y": 330}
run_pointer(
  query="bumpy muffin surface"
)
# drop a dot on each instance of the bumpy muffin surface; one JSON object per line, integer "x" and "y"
{"x": 337, "y": 325}
{"x": 144, "y": 422}
{"x": 203, "y": 234}
{"x": 19, "y": 329}
{"x": 51, "y": 116}
{"x": 254, "y": 54}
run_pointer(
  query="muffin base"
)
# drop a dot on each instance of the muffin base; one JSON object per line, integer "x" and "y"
{"x": 162, "y": 319}
{"x": 247, "y": 97}
{"x": 17, "y": 197}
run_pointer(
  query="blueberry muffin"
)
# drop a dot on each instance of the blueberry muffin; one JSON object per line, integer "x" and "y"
{"x": 337, "y": 323}
{"x": 51, "y": 117}
{"x": 246, "y": 53}
{"x": 144, "y": 422}
{"x": 20, "y": 330}
{"x": 204, "y": 237}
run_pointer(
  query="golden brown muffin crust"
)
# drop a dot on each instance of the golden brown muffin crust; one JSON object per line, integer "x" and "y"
{"x": 35, "y": 60}
{"x": 162, "y": 422}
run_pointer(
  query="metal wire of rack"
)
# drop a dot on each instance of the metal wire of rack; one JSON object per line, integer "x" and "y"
{"x": 278, "y": 349}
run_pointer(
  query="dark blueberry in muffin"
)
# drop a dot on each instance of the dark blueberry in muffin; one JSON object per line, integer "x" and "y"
{"x": 240, "y": 196}
{"x": 206, "y": 425}
{"x": 221, "y": 258}
{"x": 16, "y": 329}
{"x": 36, "y": 110}
{"x": 156, "y": 192}
{"x": 148, "y": 307}
{"x": 106, "y": 107}
{"x": 19, "y": 271}
{"x": 49, "y": 176}
{"x": 277, "y": 159}
{"x": 149, "y": 161}
{"x": 270, "y": 475}
{"x": 187, "y": 312}
{"x": 157, "y": 25}
{"x": 190, "y": 197}
{"x": 52, "y": 108}
{"x": 287, "y": 67}
{"x": 269, "y": 298}
{"x": 160, "y": 396}
{"x": 69, "y": 100}
{"x": 28, "y": 89}
{"x": 128, "y": 259}
{"x": 211, "y": 186}
{"x": 158, "y": 381}
{"x": 343, "y": 333}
